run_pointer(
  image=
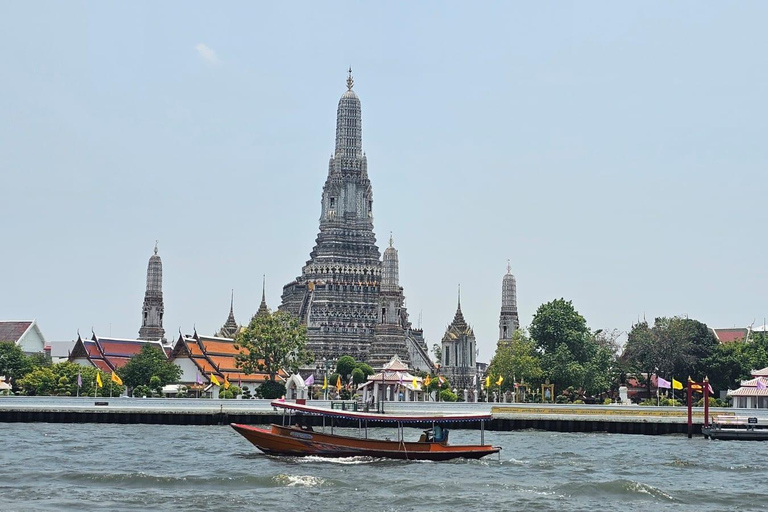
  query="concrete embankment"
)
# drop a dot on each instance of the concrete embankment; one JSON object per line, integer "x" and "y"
{"x": 560, "y": 418}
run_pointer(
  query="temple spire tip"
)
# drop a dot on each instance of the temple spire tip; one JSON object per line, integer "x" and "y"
{"x": 350, "y": 80}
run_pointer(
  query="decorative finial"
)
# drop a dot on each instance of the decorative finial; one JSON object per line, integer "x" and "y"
{"x": 509, "y": 267}
{"x": 391, "y": 240}
{"x": 263, "y": 288}
{"x": 459, "y": 295}
{"x": 155, "y": 246}
{"x": 350, "y": 80}
{"x": 232, "y": 301}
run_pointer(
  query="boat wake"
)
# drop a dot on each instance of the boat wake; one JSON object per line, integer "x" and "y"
{"x": 298, "y": 480}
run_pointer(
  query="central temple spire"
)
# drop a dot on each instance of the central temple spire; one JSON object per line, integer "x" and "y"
{"x": 349, "y": 124}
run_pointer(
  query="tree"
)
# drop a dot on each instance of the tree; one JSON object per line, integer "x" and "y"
{"x": 150, "y": 362}
{"x": 61, "y": 379}
{"x": 437, "y": 351}
{"x": 271, "y": 342}
{"x": 358, "y": 376}
{"x": 344, "y": 367}
{"x": 516, "y": 361}
{"x": 13, "y": 363}
{"x": 558, "y": 323}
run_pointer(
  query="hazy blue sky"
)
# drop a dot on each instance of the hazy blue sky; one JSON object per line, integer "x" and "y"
{"x": 615, "y": 152}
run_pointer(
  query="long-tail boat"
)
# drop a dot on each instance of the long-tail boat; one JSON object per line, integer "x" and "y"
{"x": 301, "y": 440}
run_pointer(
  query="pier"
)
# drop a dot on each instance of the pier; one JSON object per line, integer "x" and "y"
{"x": 619, "y": 419}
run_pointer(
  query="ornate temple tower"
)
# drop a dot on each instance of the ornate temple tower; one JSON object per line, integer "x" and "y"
{"x": 508, "y": 319}
{"x": 152, "y": 311}
{"x": 458, "y": 348}
{"x": 263, "y": 309}
{"x": 230, "y": 327}
{"x": 338, "y": 295}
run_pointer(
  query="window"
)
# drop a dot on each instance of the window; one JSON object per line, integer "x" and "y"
{"x": 447, "y": 356}
{"x": 383, "y": 314}
{"x": 333, "y": 202}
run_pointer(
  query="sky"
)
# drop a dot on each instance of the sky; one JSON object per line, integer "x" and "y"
{"x": 613, "y": 152}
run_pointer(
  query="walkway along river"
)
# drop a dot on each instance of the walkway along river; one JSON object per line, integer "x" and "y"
{"x": 560, "y": 418}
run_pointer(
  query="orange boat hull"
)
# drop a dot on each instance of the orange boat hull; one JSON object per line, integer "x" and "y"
{"x": 294, "y": 441}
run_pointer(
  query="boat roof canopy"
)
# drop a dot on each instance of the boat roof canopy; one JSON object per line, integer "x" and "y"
{"x": 384, "y": 418}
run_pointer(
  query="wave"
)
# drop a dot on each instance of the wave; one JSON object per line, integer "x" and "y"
{"x": 619, "y": 488}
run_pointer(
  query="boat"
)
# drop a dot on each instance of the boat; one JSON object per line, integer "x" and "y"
{"x": 297, "y": 440}
{"x": 737, "y": 428}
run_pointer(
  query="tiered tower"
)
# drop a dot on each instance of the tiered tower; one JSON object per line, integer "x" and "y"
{"x": 230, "y": 327}
{"x": 508, "y": 319}
{"x": 338, "y": 292}
{"x": 458, "y": 351}
{"x": 152, "y": 311}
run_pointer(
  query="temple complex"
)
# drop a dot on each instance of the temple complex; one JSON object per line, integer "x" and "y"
{"x": 351, "y": 303}
{"x": 152, "y": 310}
{"x": 509, "y": 321}
{"x": 458, "y": 352}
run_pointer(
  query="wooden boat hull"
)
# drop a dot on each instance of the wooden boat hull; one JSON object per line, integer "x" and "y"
{"x": 292, "y": 441}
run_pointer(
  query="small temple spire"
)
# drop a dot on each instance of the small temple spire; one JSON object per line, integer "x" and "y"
{"x": 156, "y": 246}
{"x": 509, "y": 266}
{"x": 263, "y": 309}
{"x": 153, "y": 308}
{"x": 391, "y": 240}
{"x": 230, "y": 327}
{"x": 350, "y": 80}
{"x": 459, "y": 296}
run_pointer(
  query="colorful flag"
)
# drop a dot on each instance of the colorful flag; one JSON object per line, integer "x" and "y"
{"x": 401, "y": 378}
{"x": 760, "y": 384}
{"x": 198, "y": 378}
{"x": 338, "y": 383}
{"x": 441, "y": 379}
{"x": 98, "y": 380}
{"x": 427, "y": 381}
{"x": 226, "y": 382}
{"x": 474, "y": 381}
{"x": 501, "y": 379}
{"x": 79, "y": 380}
{"x": 662, "y": 383}
{"x": 676, "y": 384}
{"x": 487, "y": 381}
{"x": 325, "y": 382}
{"x": 310, "y": 380}
{"x": 215, "y": 381}
{"x": 711, "y": 391}
{"x": 116, "y": 379}
{"x": 415, "y": 384}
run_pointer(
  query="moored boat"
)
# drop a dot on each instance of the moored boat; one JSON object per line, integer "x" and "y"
{"x": 295, "y": 440}
{"x": 737, "y": 428}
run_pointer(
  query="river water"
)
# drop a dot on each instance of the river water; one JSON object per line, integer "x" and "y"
{"x": 45, "y": 466}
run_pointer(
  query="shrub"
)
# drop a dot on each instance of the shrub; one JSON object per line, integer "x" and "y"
{"x": 447, "y": 395}
{"x": 561, "y": 399}
{"x": 271, "y": 389}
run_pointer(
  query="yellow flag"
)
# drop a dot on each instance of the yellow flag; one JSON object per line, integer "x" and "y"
{"x": 325, "y": 382}
{"x": 98, "y": 380}
{"x": 338, "y": 383}
{"x": 215, "y": 381}
{"x": 501, "y": 379}
{"x": 676, "y": 384}
{"x": 415, "y": 384}
{"x": 487, "y": 382}
{"x": 226, "y": 382}
{"x": 427, "y": 381}
{"x": 116, "y": 379}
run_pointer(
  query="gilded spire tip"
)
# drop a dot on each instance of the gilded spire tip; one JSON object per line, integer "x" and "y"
{"x": 350, "y": 80}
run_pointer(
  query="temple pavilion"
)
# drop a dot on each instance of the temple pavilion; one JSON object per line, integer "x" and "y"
{"x": 753, "y": 393}
{"x": 393, "y": 383}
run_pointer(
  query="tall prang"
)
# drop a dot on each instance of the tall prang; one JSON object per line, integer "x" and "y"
{"x": 337, "y": 295}
{"x": 153, "y": 308}
{"x": 508, "y": 319}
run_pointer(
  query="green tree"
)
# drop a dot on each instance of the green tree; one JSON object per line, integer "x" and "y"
{"x": 344, "y": 367}
{"x": 13, "y": 363}
{"x": 39, "y": 382}
{"x": 437, "y": 351}
{"x": 358, "y": 377}
{"x": 150, "y": 362}
{"x": 516, "y": 361}
{"x": 557, "y": 323}
{"x": 271, "y": 342}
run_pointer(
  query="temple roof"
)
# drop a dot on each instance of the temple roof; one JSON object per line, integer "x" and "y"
{"x": 13, "y": 331}
{"x": 458, "y": 327}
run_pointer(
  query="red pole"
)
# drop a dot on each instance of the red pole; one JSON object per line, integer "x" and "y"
{"x": 690, "y": 414}
{"x": 705, "y": 387}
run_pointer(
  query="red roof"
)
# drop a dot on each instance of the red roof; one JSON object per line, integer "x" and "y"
{"x": 730, "y": 335}
{"x": 12, "y": 331}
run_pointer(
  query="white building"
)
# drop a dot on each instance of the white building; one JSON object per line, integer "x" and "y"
{"x": 753, "y": 393}
{"x": 25, "y": 334}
